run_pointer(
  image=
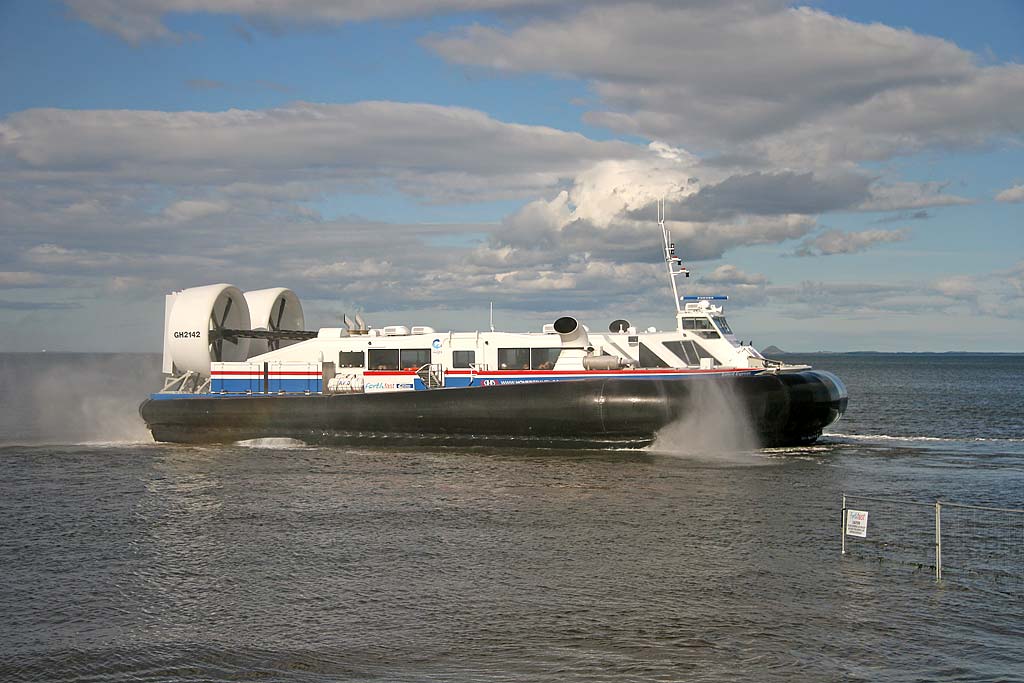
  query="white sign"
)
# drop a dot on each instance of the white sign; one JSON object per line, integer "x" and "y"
{"x": 857, "y": 523}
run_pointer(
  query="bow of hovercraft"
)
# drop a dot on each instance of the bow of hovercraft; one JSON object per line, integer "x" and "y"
{"x": 781, "y": 409}
{"x": 816, "y": 399}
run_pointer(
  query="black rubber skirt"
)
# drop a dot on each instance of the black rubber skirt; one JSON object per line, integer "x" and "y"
{"x": 784, "y": 409}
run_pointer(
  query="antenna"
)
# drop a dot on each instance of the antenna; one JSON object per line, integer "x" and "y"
{"x": 672, "y": 262}
{"x": 492, "y": 316}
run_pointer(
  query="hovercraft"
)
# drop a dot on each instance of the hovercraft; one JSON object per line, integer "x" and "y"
{"x": 240, "y": 366}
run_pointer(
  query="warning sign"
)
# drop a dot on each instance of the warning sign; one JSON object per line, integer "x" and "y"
{"x": 857, "y": 523}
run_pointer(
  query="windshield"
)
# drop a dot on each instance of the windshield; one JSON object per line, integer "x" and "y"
{"x": 722, "y": 325}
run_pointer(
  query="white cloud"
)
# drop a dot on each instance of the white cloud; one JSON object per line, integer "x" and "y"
{"x": 773, "y": 194}
{"x": 608, "y": 189}
{"x": 22, "y": 279}
{"x": 745, "y": 289}
{"x": 608, "y": 213}
{"x": 232, "y": 182}
{"x": 958, "y": 287}
{"x": 421, "y": 148}
{"x": 839, "y": 242}
{"x": 190, "y": 209}
{"x": 897, "y": 196}
{"x": 1011, "y": 194}
{"x": 138, "y": 20}
{"x": 797, "y": 86}
{"x": 108, "y": 263}
{"x": 998, "y": 294}
{"x": 727, "y": 274}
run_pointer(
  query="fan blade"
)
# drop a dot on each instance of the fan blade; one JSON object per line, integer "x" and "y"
{"x": 280, "y": 314}
{"x": 227, "y": 309}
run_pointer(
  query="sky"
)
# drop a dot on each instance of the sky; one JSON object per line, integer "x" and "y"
{"x": 850, "y": 173}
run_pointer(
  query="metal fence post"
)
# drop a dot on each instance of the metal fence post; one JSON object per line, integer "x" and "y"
{"x": 938, "y": 541}
{"x": 842, "y": 533}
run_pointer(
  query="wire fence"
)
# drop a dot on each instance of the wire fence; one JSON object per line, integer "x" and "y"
{"x": 950, "y": 539}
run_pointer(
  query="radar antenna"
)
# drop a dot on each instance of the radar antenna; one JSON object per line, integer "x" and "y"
{"x": 672, "y": 262}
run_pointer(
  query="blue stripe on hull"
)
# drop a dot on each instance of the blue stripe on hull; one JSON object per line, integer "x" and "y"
{"x": 233, "y": 386}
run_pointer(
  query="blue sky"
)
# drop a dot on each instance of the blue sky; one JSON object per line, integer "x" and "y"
{"x": 850, "y": 173}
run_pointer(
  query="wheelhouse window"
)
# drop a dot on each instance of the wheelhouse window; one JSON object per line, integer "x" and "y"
{"x": 463, "y": 359}
{"x": 350, "y": 359}
{"x": 513, "y": 359}
{"x": 414, "y": 358}
{"x": 544, "y": 359}
{"x": 383, "y": 359}
{"x": 722, "y": 325}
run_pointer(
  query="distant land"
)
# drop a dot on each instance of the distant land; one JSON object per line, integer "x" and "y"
{"x": 775, "y": 350}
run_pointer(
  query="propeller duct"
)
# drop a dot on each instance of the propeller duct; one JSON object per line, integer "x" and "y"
{"x": 274, "y": 310}
{"x": 196, "y": 323}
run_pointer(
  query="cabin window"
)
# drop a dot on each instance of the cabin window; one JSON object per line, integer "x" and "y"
{"x": 463, "y": 359}
{"x": 350, "y": 359}
{"x": 697, "y": 324}
{"x": 383, "y": 359}
{"x": 722, "y": 325}
{"x": 544, "y": 359}
{"x": 689, "y": 351}
{"x": 702, "y": 352}
{"x": 649, "y": 359}
{"x": 513, "y": 359}
{"x": 414, "y": 358}
{"x": 684, "y": 350}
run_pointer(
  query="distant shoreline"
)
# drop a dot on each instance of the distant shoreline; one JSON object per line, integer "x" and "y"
{"x": 900, "y": 353}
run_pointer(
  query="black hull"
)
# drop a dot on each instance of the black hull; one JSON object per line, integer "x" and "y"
{"x": 784, "y": 410}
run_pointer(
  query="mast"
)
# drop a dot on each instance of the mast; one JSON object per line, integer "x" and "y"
{"x": 673, "y": 263}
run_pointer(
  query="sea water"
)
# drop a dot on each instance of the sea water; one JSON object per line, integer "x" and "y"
{"x": 126, "y": 560}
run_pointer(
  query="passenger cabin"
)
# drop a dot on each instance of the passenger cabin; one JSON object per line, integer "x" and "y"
{"x": 400, "y": 358}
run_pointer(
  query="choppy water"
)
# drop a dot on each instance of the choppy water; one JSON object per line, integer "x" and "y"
{"x": 123, "y": 560}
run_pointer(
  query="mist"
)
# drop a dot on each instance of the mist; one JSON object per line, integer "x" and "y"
{"x": 716, "y": 424}
{"x": 74, "y": 398}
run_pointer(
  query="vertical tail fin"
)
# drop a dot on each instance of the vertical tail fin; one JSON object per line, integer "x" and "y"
{"x": 168, "y": 364}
